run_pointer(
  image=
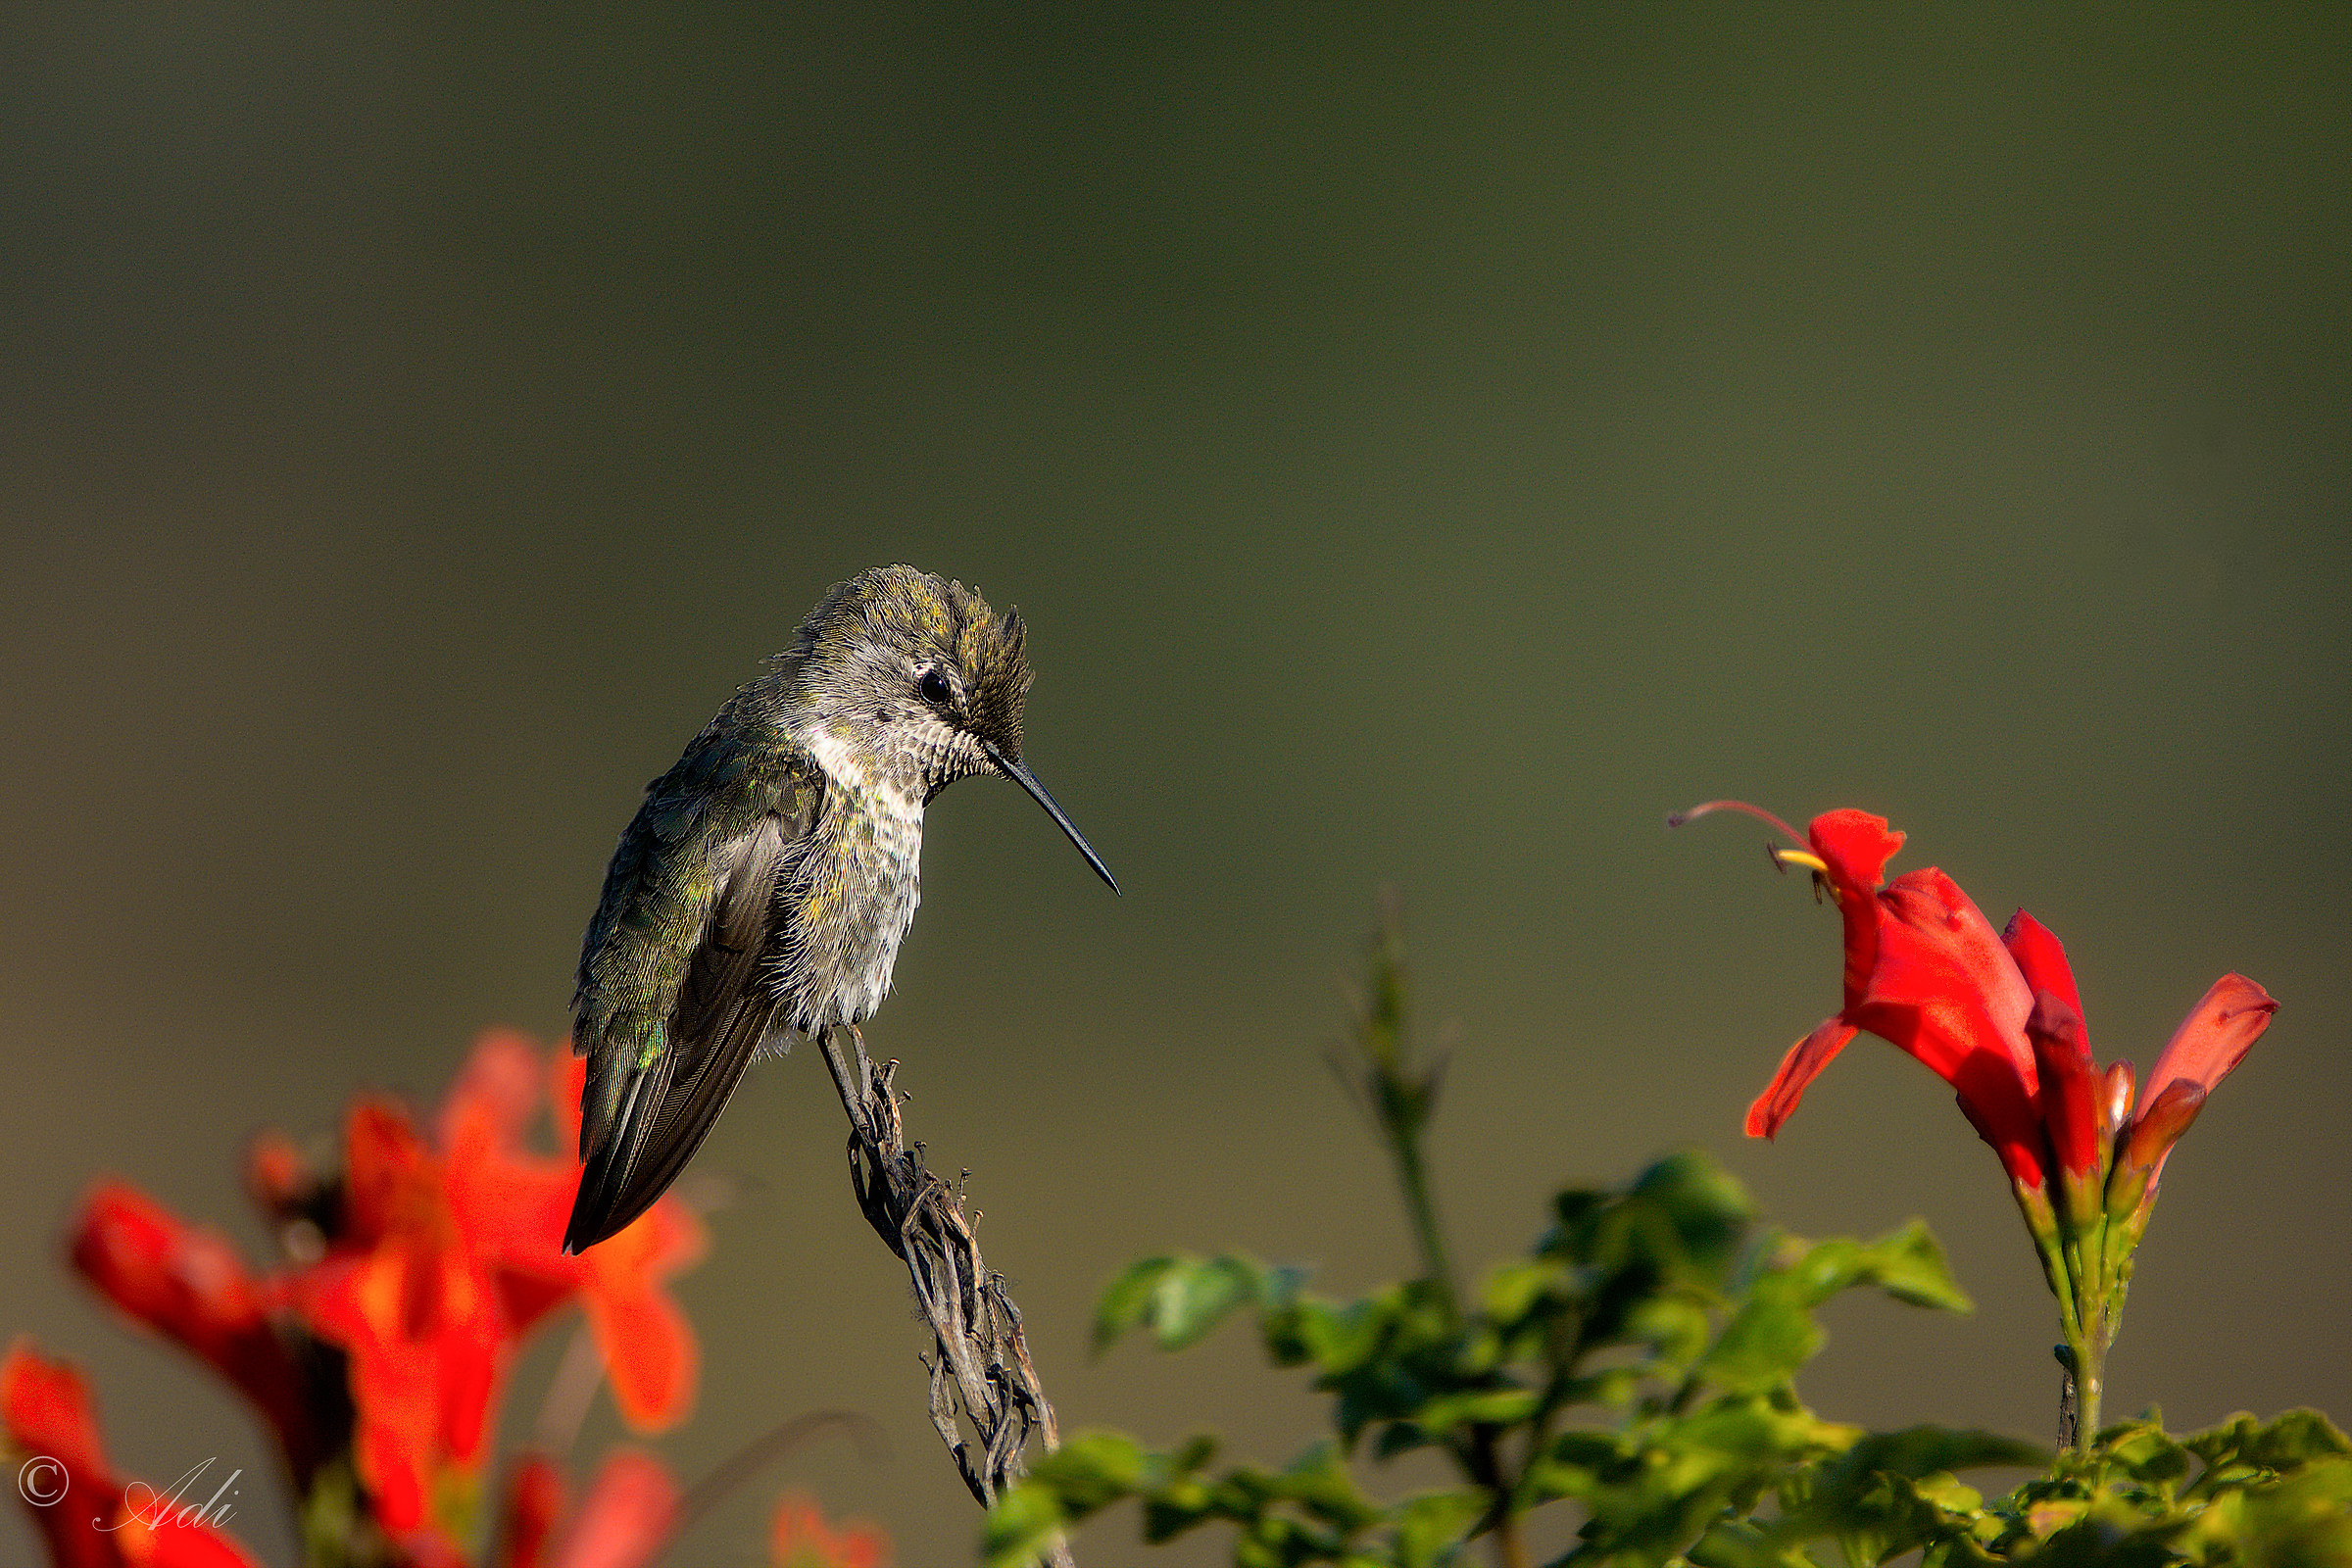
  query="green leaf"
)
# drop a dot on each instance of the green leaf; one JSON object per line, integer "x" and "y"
{"x": 1674, "y": 1326}
{"x": 2145, "y": 1451}
{"x": 1512, "y": 1289}
{"x": 1091, "y": 1471}
{"x": 1744, "y": 1544}
{"x": 1331, "y": 1336}
{"x": 1318, "y": 1482}
{"x": 1017, "y": 1529}
{"x": 1191, "y": 1298}
{"x": 1430, "y": 1528}
{"x": 1126, "y": 1300}
{"x": 1176, "y": 1508}
{"x": 1909, "y": 1265}
{"x": 1612, "y": 1385}
{"x": 1893, "y": 1493}
{"x": 2294, "y": 1439}
{"x": 1708, "y": 1207}
{"x": 1182, "y": 1297}
{"x": 1660, "y": 1497}
{"x": 1499, "y": 1407}
{"x": 1762, "y": 1346}
{"x": 1923, "y": 1451}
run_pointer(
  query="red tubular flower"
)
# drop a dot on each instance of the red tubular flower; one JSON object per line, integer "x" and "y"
{"x": 189, "y": 1285}
{"x": 445, "y": 1258}
{"x": 627, "y": 1517}
{"x": 2206, "y": 1049}
{"x": 516, "y": 1203}
{"x": 418, "y": 1319}
{"x": 89, "y": 1518}
{"x": 2069, "y": 1104}
{"x": 799, "y": 1538}
{"x": 2002, "y": 1021}
{"x": 1926, "y": 972}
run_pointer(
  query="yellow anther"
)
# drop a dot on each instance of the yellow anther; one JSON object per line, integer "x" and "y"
{"x": 1782, "y": 860}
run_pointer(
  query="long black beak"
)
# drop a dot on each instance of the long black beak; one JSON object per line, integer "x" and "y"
{"x": 1011, "y": 768}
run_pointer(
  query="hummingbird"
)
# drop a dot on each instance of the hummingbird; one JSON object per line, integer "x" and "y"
{"x": 762, "y": 888}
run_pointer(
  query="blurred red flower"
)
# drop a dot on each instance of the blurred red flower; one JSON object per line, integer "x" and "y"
{"x": 188, "y": 1284}
{"x": 90, "y": 1518}
{"x": 447, "y": 1257}
{"x": 624, "y": 1519}
{"x": 799, "y": 1538}
{"x": 425, "y": 1265}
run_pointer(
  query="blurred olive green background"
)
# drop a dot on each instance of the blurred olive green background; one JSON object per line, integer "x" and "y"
{"x": 1427, "y": 449}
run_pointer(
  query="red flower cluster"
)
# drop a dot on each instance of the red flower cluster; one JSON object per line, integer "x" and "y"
{"x": 424, "y": 1262}
{"x": 1998, "y": 1017}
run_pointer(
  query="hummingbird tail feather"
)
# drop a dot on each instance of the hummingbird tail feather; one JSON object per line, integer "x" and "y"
{"x": 661, "y": 1123}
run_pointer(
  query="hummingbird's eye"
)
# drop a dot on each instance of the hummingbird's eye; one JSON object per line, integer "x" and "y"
{"x": 933, "y": 688}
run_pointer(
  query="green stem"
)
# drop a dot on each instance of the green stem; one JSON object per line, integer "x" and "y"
{"x": 1412, "y": 1176}
{"x": 2086, "y": 1379}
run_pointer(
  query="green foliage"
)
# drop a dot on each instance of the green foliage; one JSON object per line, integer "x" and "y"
{"x": 1658, "y": 1314}
{"x": 1636, "y": 1368}
{"x": 2277, "y": 1494}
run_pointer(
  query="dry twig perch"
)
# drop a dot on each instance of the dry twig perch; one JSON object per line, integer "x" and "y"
{"x": 982, "y": 1364}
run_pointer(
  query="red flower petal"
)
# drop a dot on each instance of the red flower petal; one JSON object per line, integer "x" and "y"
{"x": 46, "y": 1408}
{"x": 1799, "y": 1068}
{"x": 2041, "y": 958}
{"x": 1945, "y": 982}
{"x": 534, "y": 1507}
{"x": 277, "y": 1178}
{"x": 1856, "y": 844}
{"x": 2215, "y": 1037}
{"x": 385, "y": 1162}
{"x": 627, "y": 1517}
{"x": 495, "y": 1096}
{"x": 514, "y": 1206}
{"x": 189, "y": 1285}
{"x": 147, "y": 1540}
{"x": 416, "y": 1312}
{"x": 186, "y": 1283}
{"x": 2069, "y": 1091}
{"x": 2168, "y": 1114}
{"x": 1856, "y": 847}
{"x": 649, "y": 1354}
{"x": 1924, "y": 971}
{"x": 1996, "y": 1106}
{"x": 80, "y": 1506}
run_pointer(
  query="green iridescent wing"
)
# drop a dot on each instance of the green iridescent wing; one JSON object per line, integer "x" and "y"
{"x": 673, "y": 1000}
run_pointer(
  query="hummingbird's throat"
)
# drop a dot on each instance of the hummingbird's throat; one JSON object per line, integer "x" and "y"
{"x": 869, "y": 783}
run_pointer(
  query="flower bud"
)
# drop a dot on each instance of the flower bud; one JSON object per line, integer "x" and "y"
{"x": 2115, "y": 1102}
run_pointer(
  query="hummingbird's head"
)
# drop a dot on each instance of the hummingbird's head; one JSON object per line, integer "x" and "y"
{"x": 919, "y": 683}
{"x": 914, "y": 674}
